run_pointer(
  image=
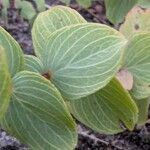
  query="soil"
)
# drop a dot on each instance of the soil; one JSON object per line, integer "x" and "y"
{"x": 139, "y": 139}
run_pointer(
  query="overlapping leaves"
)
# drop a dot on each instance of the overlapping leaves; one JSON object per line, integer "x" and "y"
{"x": 109, "y": 111}
{"x": 80, "y": 58}
{"x": 79, "y": 63}
{"x": 49, "y": 21}
{"x": 136, "y": 29}
{"x": 137, "y": 57}
{"x": 140, "y": 91}
{"x": 33, "y": 64}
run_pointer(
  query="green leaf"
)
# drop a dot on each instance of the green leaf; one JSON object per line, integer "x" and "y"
{"x": 5, "y": 84}
{"x": 140, "y": 91}
{"x": 81, "y": 64}
{"x": 108, "y": 111}
{"x": 137, "y": 57}
{"x": 33, "y": 64}
{"x": 27, "y": 10}
{"x": 116, "y": 10}
{"x": 144, "y": 3}
{"x": 40, "y": 4}
{"x": 49, "y": 21}
{"x": 143, "y": 106}
{"x": 13, "y": 52}
{"x": 137, "y": 20}
{"x": 38, "y": 115}
{"x": 5, "y": 4}
{"x": 85, "y": 3}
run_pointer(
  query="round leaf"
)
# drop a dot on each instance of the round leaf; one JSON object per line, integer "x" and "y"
{"x": 81, "y": 64}
{"x": 38, "y": 115}
{"x": 107, "y": 111}
{"x": 137, "y": 57}
{"x": 13, "y": 52}
{"x": 5, "y": 84}
{"x": 49, "y": 21}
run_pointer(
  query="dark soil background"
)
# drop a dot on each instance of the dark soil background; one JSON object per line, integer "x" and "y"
{"x": 139, "y": 139}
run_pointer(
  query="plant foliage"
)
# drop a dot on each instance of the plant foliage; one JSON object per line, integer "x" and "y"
{"x": 136, "y": 58}
{"x": 116, "y": 10}
{"x": 94, "y": 110}
{"x": 5, "y": 84}
{"x": 74, "y": 72}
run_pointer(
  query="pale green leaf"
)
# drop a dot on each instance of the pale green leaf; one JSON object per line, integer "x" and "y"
{"x": 5, "y": 84}
{"x": 13, "y": 52}
{"x": 38, "y": 115}
{"x": 27, "y": 10}
{"x": 143, "y": 106}
{"x": 137, "y": 20}
{"x": 140, "y": 91}
{"x": 137, "y": 57}
{"x": 109, "y": 111}
{"x": 116, "y": 10}
{"x": 33, "y": 64}
{"x": 5, "y": 4}
{"x": 49, "y": 21}
{"x": 81, "y": 64}
{"x": 85, "y": 3}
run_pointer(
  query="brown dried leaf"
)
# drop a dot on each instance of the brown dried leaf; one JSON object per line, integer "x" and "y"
{"x": 125, "y": 78}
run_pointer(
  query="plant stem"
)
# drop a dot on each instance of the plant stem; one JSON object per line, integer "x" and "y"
{"x": 95, "y": 139}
